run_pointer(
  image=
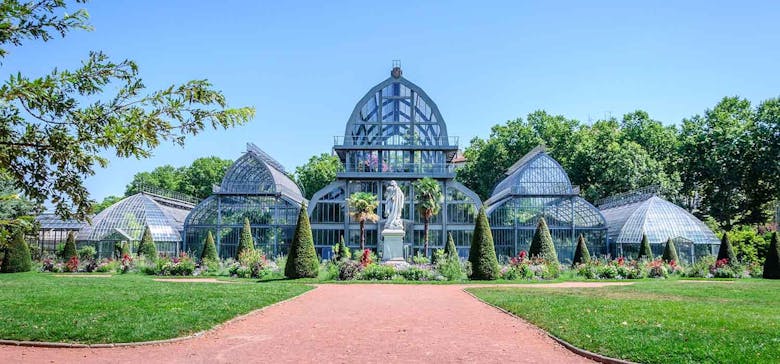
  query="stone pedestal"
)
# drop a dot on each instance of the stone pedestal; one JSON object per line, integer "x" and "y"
{"x": 392, "y": 245}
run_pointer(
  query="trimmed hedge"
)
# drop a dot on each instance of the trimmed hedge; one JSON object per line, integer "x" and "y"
{"x": 772, "y": 262}
{"x": 209, "y": 252}
{"x": 581, "y": 254}
{"x": 147, "y": 247}
{"x": 450, "y": 250}
{"x": 542, "y": 244}
{"x": 645, "y": 252}
{"x": 246, "y": 242}
{"x": 726, "y": 251}
{"x": 670, "y": 252}
{"x": 302, "y": 261}
{"x": 17, "y": 255}
{"x": 69, "y": 250}
{"x": 484, "y": 263}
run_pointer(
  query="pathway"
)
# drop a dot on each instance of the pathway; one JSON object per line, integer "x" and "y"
{"x": 366, "y": 323}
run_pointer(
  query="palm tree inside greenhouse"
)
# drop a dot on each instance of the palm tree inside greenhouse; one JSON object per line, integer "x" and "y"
{"x": 429, "y": 198}
{"x": 362, "y": 207}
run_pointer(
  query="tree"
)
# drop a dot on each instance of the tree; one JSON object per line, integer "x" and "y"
{"x": 302, "y": 261}
{"x": 16, "y": 257}
{"x": 202, "y": 174}
{"x": 55, "y": 129}
{"x": 482, "y": 255}
{"x": 450, "y": 251}
{"x": 317, "y": 173}
{"x": 428, "y": 202}
{"x": 726, "y": 251}
{"x": 542, "y": 244}
{"x": 209, "y": 252}
{"x": 147, "y": 247}
{"x": 772, "y": 262}
{"x": 581, "y": 254}
{"x": 670, "y": 252}
{"x": 645, "y": 252}
{"x": 165, "y": 177}
{"x": 69, "y": 250}
{"x": 246, "y": 242}
{"x": 107, "y": 202}
{"x": 362, "y": 207}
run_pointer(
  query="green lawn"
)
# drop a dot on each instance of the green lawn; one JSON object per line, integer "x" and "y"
{"x": 123, "y": 308}
{"x": 658, "y": 321}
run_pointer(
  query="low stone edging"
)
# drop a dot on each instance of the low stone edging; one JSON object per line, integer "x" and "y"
{"x": 47, "y": 344}
{"x": 581, "y": 352}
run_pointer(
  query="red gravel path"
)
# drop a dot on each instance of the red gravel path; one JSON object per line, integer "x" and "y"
{"x": 343, "y": 324}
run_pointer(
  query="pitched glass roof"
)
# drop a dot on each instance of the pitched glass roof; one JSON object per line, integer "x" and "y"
{"x": 130, "y": 216}
{"x": 536, "y": 174}
{"x": 257, "y": 173}
{"x": 51, "y": 221}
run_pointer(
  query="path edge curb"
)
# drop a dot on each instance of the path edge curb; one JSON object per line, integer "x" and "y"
{"x": 581, "y": 352}
{"x": 61, "y": 345}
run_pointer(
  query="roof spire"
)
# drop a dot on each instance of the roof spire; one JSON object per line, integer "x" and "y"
{"x": 396, "y": 71}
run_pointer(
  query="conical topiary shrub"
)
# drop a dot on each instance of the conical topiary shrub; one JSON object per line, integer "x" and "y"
{"x": 342, "y": 251}
{"x": 209, "y": 252}
{"x": 246, "y": 242}
{"x": 581, "y": 254}
{"x": 772, "y": 262}
{"x": 69, "y": 250}
{"x": 124, "y": 250}
{"x": 670, "y": 252}
{"x": 302, "y": 261}
{"x": 726, "y": 251}
{"x": 147, "y": 247}
{"x": 542, "y": 244}
{"x": 17, "y": 255}
{"x": 450, "y": 251}
{"x": 645, "y": 252}
{"x": 484, "y": 263}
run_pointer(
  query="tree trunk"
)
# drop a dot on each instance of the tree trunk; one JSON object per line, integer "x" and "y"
{"x": 362, "y": 236}
{"x": 425, "y": 220}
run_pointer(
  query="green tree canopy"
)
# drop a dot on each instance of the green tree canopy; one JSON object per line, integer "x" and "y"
{"x": 317, "y": 173}
{"x": 195, "y": 180}
{"x": 57, "y": 128}
{"x": 428, "y": 200}
{"x": 107, "y": 202}
{"x": 362, "y": 208}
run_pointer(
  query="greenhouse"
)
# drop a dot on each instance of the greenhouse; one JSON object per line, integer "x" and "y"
{"x": 127, "y": 219}
{"x": 255, "y": 187}
{"x": 631, "y": 214}
{"x": 53, "y": 230}
{"x": 537, "y": 186}
{"x": 395, "y": 132}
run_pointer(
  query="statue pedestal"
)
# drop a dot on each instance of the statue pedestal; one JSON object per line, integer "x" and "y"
{"x": 393, "y": 245}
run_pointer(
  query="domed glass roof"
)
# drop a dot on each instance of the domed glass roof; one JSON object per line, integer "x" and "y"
{"x": 535, "y": 174}
{"x": 656, "y": 217}
{"x": 257, "y": 173}
{"x": 128, "y": 218}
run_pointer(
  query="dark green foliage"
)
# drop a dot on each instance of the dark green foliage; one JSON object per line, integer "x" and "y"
{"x": 670, "y": 252}
{"x": 302, "y": 261}
{"x": 209, "y": 252}
{"x": 581, "y": 255}
{"x": 644, "y": 249}
{"x": 450, "y": 250}
{"x": 17, "y": 255}
{"x": 542, "y": 244}
{"x": 726, "y": 251}
{"x": 70, "y": 247}
{"x": 246, "y": 242}
{"x": 342, "y": 252}
{"x": 147, "y": 247}
{"x": 484, "y": 264}
{"x": 772, "y": 262}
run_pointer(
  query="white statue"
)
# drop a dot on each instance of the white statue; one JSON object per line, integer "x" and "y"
{"x": 394, "y": 204}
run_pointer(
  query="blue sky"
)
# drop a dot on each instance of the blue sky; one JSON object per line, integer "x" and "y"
{"x": 304, "y": 65}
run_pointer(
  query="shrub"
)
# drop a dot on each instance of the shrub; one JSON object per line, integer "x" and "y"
{"x": 69, "y": 250}
{"x": 701, "y": 267}
{"x": 341, "y": 251}
{"x": 302, "y": 261}
{"x": 657, "y": 269}
{"x": 772, "y": 261}
{"x": 581, "y": 254}
{"x": 484, "y": 263}
{"x": 520, "y": 267}
{"x": 87, "y": 252}
{"x": 255, "y": 261}
{"x": 121, "y": 249}
{"x": 450, "y": 249}
{"x": 17, "y": 255}
{"x": 349, "y": 269}
{"x": 147, "y": 247}
{"x": 377, "y": 272}
{"x": 670, "y": 252}
{"x": 450, "y": 268}
{"x": 72, "y": 265}
{"x": 416, "y": 274}
{"x": 107, "y": 266}
{"x": 59, "y": 250}
{"x": 645, "y": 252}
{"x": 47, "y": 265}
{"x": 36, "y": 253}
{"x": 419, "y": 258}
{"x": 183, "y": 265}
{"x": 542, "y": 245}
{"x": 209, "y": 252}
{"x": 329, "y": 271}
{"x": 246, "y": 242}
{"x": 726, "y": 251}
{"x": 127, "y": 261}
{"x": 366, "y": 258}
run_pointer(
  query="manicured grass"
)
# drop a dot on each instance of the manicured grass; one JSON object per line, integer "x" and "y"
{"x": 123, "y": 308}
{"x": 657, "y": 321}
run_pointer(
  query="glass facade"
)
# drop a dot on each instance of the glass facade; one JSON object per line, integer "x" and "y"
{"x": 395, "y": 132}
{"x": 537, "y": 186}
{"x": 127, "y": 219}
{"x": 634, "y": 214}
{"x": 254, "y": 187}
{"x": 54, "y": 230}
